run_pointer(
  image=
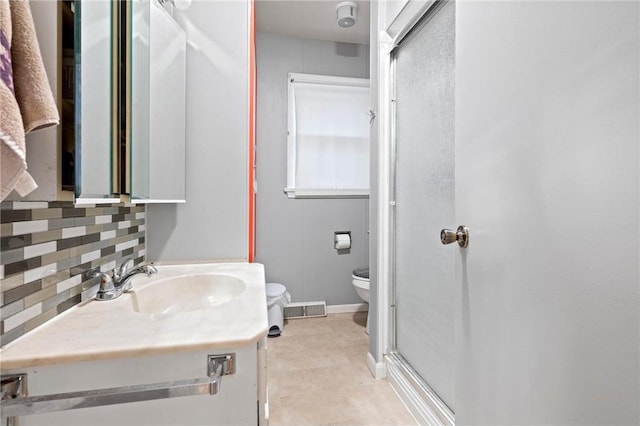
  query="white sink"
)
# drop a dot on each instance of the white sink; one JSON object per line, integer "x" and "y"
{"x": 186, "y": 293}
{"x": 182, "y": 308}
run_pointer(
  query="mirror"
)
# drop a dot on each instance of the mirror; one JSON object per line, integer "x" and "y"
{"x": 123, "y": 101}
{"x": 140, "y": 71}
{"x": 158, "y": 75}
{"x": 93, "y": 106}
{"x": 122, "y": 124}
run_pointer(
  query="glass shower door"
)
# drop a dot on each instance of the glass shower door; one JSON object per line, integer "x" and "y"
{"x": 424, "y": 195}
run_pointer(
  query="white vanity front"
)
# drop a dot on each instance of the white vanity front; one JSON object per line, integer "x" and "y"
{"x": 161, "y": 332}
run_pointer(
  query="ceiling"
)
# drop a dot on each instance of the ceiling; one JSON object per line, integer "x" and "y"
{"x": 311, "y": 19}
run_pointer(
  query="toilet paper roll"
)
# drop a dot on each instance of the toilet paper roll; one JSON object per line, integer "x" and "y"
{"x": 343, "y": 241}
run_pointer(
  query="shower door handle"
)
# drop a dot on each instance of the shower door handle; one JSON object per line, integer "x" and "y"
{"x": 461, "y": 235}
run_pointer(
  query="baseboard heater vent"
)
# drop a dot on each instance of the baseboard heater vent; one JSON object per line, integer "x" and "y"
{"x": 305, "y": 310}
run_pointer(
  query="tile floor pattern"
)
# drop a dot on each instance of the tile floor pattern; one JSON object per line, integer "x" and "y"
{"x": 317, "y": 375}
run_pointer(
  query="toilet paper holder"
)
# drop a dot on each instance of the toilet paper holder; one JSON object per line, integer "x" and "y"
{"x": 342, "y": 240}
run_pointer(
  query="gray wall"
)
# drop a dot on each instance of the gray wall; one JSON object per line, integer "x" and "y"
{"x": 294, "y": 238}
{"x": 213, "y": 224}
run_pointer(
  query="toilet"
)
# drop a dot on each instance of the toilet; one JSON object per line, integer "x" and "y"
{"x": 360, "y": 280}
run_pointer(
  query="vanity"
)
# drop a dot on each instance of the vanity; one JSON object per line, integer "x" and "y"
{"x": 196, "y": 329}
{"x": 183, "y": 347}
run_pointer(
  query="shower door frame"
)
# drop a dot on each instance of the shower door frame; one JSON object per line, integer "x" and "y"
{"x": 422, "y": 401}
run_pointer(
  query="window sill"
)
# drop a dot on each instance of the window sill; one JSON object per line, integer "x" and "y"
{"x": 326, "y": 193}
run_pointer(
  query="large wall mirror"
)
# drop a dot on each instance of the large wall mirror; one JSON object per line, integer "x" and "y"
{"x": 118, "y": 73}
{"x": 125, "y": 134}
{"x": 87, "y": 136}
{"x": 158, "y": 74}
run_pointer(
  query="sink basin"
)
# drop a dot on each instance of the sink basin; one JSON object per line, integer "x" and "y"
{"x": 186, "y": 293}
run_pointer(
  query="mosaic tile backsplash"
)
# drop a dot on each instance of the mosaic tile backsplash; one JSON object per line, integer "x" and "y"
{"x": 49, "y": 251}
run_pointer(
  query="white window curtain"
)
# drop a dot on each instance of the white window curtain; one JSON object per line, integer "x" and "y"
{"x": 328, "y": 143}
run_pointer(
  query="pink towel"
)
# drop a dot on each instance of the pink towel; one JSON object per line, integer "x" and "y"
{"x": 26, "y": 101}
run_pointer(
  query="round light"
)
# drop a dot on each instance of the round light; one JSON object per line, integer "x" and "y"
{"x": 347, "y": 13}
{"x": 346, "y": 22}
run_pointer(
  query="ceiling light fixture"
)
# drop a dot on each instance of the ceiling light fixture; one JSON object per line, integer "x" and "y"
{"x": 347, "y": 12}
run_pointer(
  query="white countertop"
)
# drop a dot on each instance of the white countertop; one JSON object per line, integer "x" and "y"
{"x": 111, "y": 329}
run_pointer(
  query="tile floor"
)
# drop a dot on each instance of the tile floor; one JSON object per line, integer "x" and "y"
{"x": 317, "y": 375}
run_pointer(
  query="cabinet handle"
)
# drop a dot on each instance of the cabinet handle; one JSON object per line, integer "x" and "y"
{"x": 15, "y": 401}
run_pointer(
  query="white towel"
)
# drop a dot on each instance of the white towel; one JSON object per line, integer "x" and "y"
{"x": 26, "y": 101}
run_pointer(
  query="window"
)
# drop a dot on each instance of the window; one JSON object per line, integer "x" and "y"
{"x": 328, "y": 137}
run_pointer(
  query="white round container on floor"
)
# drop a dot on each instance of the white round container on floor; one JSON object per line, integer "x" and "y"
{"x": 276, "y": 300}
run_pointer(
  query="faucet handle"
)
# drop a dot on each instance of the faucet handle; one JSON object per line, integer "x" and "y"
{"x": 149, "y": 270}
{"x": 122, "y": 270}
{"x": 106, "y": 282}
{"x": 104, "y": 276}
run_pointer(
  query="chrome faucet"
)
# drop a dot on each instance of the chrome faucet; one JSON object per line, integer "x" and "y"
{"x": 112, "y": 286}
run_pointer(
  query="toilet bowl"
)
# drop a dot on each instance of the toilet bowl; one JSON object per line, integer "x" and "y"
{"x": 360, "y": 280}
{"x": 362, "y": 287}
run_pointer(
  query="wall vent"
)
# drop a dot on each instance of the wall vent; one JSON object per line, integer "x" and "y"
{"x": 305, "y": 310}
